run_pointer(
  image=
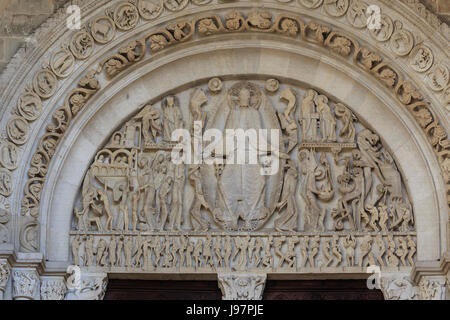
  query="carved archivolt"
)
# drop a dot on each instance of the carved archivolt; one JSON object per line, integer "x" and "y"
{"x": 337, "y": 199}
{"x": 125, "y": 16}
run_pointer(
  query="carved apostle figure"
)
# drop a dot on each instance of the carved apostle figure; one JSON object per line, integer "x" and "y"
{"x": 327, "y": 120}
{"x": 309, "y": 117}
{"x": 172, "y": 118}
{"x": 287, "y": 221}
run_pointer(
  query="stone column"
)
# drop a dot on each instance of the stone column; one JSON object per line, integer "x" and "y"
{"x": 53, "y": 288}
{"x": 4, "y": 276}
{"x": 86, "y": 286}
{"x": 25, "y": 284}
{"x": 242, "y": 286}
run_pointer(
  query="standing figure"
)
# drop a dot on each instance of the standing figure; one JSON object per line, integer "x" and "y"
{"x": 412, "y": 249}
{"x": 176, "y": 213}
{"x": 242, "y": 246}
{"x": 348, "y": 131}
{"x": 251, "y": 247}
{"x": 291, "y": 256}
{"x": 182, "y": 249}
{"x": 309, "y": 117}
{"x": 127, "y": 249}
{"x": 167, "y": 260}
{"x": 89, "y": 251}
{"x": 157, "y": 248}
{"x": 174, "y": 251}
{"x": 384, "y": 217}
{"x": 366, "y": 250}
{"x": 76, "y": 243}
{"x": 336, "y": 250}
{"x": 197, "y": 221}
{"x": 112, "y": 251}
{"x": 327, "y": 120}
{"x": 119, "y": 250}
{"x": 381, "y": 249}
{"x": 198, "y": 99}
{"x": 147, "y": 248}
{"x": 392, "y": 260}
{"x": 164, "y": 201}
{"x": 151, "y": 123}
{"x": 267, "y": 260}
{"x": 106, "y": 206}
{"x": 198, "y": 253}
{"x": 350, "y": 246}
{"x": 189, "y": 250}
{"x": 134, "y": 209}
{"x": 101, "y": 250}
{"x": 137, "y": 252}
{"x": 314, "y": 250}
{"x": 327, "y": 252}
{"x": 259, "y": 245}
{"x": 304, "y": 251}
{"x": 402, "y": 250}
{"x": 207, "y": 254}
{"x": 228, "y": 250}
{"x": 172, "y": 118}
{"x": 149, "y": 187}
{"x": 287, "y": 221}
{"x": 218, "y": 251}
{"x": 277, "y": 247}
{"x": 374, "y": 216}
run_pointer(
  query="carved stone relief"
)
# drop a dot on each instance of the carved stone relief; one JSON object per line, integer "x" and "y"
{"x": 53, "y": 289}
{"x": 241, "y": 286}
{"x": 103, "y": 29}
{"x": 4, "y": 276}
{"x": 336, "y": 201}
{"x": 25, "y": 284}
{"x": 92, "y": 286}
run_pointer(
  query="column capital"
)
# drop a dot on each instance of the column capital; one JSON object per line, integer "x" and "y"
{"x": 242, "y": 286}
{"x": 26, "y": 284}
{"x": 5, "y": 270}
{"x": 86, "y": 286}
{"x": 53, "y": 288}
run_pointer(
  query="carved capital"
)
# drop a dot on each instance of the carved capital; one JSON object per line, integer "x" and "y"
{"x": 25, "y": 284}
{"x": 242, "y": 286}
{"x": 398, "y": 287}
{"x": 87, "y": 286}
{"x": 53, "y": 289}
{"x": 432, "y": 288}
{"x": 4, "y": 276}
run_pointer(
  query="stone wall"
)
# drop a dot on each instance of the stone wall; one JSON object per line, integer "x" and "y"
{"x": 18, "y": 20}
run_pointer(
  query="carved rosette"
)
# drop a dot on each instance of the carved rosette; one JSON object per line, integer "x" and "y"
{"x": 242, "y": 286}
{"x": 25, "y": 284}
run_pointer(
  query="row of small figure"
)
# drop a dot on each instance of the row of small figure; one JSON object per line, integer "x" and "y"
{"x": 249, "y": 252}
